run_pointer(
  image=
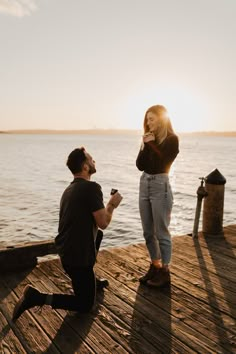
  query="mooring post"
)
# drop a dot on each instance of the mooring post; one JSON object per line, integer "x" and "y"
{"x": 201, "y": 193}
{"x": 213, "y": 204}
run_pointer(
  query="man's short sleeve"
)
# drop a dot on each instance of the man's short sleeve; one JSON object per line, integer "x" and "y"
{"x": 95, "y": 197}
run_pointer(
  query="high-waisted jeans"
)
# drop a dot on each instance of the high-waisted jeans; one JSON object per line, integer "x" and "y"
{"x": 155, "y": 205}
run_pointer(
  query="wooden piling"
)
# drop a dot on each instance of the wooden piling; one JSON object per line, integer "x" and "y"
{"x": 213, "y": 207}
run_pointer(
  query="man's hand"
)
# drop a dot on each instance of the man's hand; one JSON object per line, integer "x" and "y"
{"x": 103, "y": 216}
{"x": 115, "y": 200}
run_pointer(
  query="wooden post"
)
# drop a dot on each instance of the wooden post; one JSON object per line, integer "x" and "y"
{"x": 201, "y": 193}
{"x": 213, "y": 204}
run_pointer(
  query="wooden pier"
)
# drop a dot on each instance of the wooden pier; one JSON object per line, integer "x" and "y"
{"x": 195, "y": 315}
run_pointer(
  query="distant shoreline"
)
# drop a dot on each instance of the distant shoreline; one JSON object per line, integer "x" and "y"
{"x": 80, "y": 131}
{"x": 110, "y": 132}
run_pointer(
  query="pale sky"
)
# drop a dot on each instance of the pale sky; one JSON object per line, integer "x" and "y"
{"x": 85, "y": 64}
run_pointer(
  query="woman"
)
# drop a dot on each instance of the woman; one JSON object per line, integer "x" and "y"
{"x": 158, "y": 151}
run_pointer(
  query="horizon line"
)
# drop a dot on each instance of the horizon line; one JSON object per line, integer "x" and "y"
{"x": 106, "y": 131}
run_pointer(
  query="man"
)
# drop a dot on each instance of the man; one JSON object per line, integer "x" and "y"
{"x": 82, "y": 212}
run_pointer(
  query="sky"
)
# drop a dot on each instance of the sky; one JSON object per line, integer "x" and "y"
{"x": 99, "y": 64}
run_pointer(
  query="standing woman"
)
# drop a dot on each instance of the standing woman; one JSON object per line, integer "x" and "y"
{"x": 158, "y": 151}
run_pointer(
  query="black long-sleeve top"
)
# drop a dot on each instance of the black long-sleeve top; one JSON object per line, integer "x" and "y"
{"x": 154, "y": 159}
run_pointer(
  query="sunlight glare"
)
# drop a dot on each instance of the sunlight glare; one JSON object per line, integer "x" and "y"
{"x": 187, "y": 111}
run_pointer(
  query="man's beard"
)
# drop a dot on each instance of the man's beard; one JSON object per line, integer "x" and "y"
{"x": 92, "y": 170}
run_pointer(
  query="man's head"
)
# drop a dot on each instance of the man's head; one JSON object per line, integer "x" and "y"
{"x": 79, "y": 161}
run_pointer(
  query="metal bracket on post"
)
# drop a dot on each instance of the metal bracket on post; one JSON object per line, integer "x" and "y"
{"x": 201, "y": 193}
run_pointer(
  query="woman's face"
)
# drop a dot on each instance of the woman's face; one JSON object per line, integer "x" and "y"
{"x": 152, "y": 121}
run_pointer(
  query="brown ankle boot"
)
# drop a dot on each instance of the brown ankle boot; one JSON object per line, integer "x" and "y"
{"x": 160, "y": 278}
{"x": 148, "y": 275}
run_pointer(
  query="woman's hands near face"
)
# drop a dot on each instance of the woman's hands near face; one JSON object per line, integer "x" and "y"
{"x": 148, "y": 137}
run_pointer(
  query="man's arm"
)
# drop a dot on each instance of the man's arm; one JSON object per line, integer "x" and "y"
{"x": 103, "y": 216}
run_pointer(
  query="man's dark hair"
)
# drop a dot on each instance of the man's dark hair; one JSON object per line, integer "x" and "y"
{"x": 76, "y": 159}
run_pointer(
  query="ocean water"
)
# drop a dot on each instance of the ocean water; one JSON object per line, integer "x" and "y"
{"x": 33, "y": 175}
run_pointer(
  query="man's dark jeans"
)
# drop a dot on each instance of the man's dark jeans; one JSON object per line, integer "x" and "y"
{"x": 84, "y": 286}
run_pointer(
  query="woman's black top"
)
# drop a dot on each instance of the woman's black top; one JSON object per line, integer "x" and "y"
{"x": 154, "y": 159}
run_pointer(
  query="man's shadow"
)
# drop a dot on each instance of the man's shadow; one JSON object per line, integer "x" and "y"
{"x": 80, "y": 325}
{"x": 8, "y": 282}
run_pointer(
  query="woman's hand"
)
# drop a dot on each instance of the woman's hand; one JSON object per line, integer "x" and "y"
{"x": 148, "y": 137}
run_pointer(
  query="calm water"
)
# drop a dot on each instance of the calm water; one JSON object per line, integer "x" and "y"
{"x": 33, "y": 176}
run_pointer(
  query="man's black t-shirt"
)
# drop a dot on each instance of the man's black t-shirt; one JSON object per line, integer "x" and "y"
{"x": 77, "y": 230}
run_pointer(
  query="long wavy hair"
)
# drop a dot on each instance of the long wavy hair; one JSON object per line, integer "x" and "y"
{"x": 165, "y": 127}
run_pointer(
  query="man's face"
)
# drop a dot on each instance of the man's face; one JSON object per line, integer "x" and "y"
{"x": 90, "y": 163}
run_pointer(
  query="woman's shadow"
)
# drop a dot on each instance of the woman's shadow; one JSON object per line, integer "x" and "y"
{"x": 151, "y": 321}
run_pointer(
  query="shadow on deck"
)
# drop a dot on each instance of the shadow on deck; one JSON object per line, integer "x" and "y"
{"x": 196, "y": 314}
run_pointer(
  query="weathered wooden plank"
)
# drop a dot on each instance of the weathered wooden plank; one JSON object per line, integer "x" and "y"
{"x": 198, "y": 287}
{"x": 9, "y": 343}
{"x": 31, "y": 336}
{"x": 161, "y": 313}
{"x": 178, "y": 280}
{"x": 55, "y": 326}
{"x": 15, "y": 258}
{"x": 207, "y": 249}
{"x": 222, "y": 322}
{"x": 196, "y": 314}
{"x": 180, "y": 310}
{"x": 224, "y": 245}
{"x": 206, "y": 273}
{"x": 115, "y": 317}
{"x": 86, "y": 328}
{"x": 113, "y": 325}
{"x": 203, "y": 258}
{"x": 230, "y": 230}
{"x": 101, "y": 331}
{"x": 186, "y": 268}
{"x": 196, "y": 255}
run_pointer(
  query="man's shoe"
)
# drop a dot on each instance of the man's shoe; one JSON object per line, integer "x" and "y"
{"x": 160, "y": 278}
{"x": 101, "y": 284}
{"x": 150, "y": 273}
{"x": 30, "y": 298}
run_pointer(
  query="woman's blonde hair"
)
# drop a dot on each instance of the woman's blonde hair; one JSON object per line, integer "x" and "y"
{"x": 165, "y": 126}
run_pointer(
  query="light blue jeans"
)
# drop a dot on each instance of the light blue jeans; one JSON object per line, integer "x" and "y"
{"x": 155, "y": 205}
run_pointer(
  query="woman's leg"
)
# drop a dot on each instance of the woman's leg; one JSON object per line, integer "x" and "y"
{"x": 162, "y": 202}
{"x": 148, "y": 227}
{"x": 161, "y": 208}
{"x": 145, "y": 209}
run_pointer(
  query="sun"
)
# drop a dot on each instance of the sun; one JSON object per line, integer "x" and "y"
{"x": 187, "y": 110}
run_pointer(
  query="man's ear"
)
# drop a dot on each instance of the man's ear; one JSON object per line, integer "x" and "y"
{"x": 85, "y": 167}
